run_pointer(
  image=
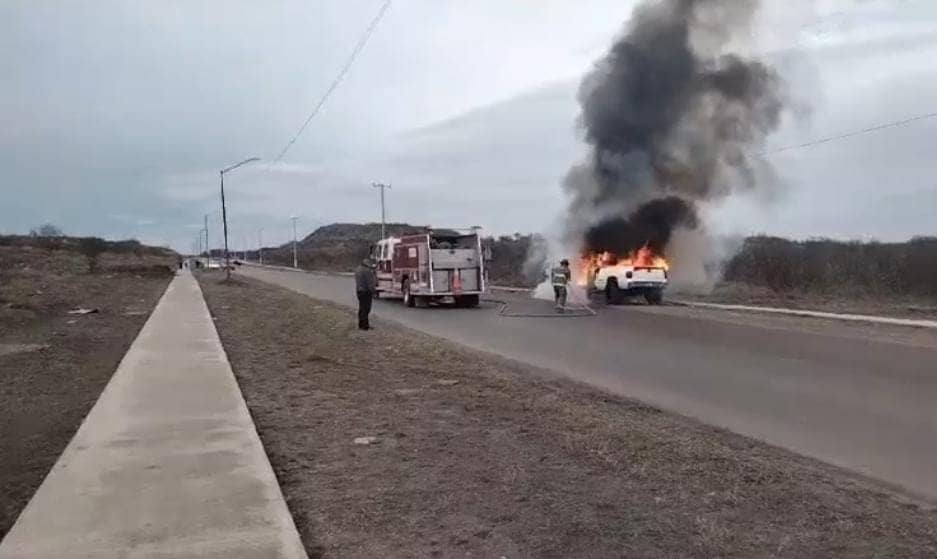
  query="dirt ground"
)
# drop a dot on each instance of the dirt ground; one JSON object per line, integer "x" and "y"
{"x": 53, "y": 365}
{"x": 742, "y": 294}
{"x": 477, "y": 456}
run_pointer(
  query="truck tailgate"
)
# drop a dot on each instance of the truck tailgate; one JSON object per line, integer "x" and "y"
{"x": 649, "y": 275}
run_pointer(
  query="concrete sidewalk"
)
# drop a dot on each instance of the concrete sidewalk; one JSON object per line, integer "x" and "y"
{"x": 167, "y": 463}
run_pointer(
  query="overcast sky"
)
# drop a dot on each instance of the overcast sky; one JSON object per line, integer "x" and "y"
{"x": 115, "y": 116}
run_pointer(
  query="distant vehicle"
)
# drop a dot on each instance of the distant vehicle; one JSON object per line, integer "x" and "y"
{"x": 642, "y": 275}
{"x": 441, "y": 265}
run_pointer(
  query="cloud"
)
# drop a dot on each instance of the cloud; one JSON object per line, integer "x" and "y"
{"x": 116, "y": 116}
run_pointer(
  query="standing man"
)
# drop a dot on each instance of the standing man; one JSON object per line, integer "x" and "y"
{"x": 560, "y": 279}
{"x": 366, "y": 286}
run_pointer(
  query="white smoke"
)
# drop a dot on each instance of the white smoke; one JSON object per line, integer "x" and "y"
{"x": 697, "y": 259}
{"x": 546, "y": 254}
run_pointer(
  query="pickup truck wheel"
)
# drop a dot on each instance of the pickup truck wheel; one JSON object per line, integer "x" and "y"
{"x": 613, "y": 294}
{"x": 654, "y": 297}
{"x": 408, "y": 298}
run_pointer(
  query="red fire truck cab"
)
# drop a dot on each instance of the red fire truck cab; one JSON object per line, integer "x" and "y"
{"x": 440, "y": 265}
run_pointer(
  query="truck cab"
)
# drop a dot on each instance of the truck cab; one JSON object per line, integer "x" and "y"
{"x": 382, "y": 254}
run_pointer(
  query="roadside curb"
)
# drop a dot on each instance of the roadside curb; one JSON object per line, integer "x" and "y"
{"x": 868, "y": 319}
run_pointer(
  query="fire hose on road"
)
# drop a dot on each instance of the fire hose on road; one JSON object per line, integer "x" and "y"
{"x": 581, "y": 310}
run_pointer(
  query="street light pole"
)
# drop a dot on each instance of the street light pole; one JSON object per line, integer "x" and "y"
{"x": 207, "y": 244}
{"x": 224, "y": 221}
{"x": 295, "y": 260}
{"x": 260, "y": 245}
{"x": 224, "y": 213}
{"x": 383, "y": 225}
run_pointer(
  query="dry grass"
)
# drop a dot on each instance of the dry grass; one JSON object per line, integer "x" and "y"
{"x": 54, "y": 365}
{"x": 895, "y": 305}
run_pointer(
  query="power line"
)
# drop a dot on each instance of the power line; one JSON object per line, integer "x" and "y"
{"x": 341, "y": 75}
{"x": 821, "y": 141}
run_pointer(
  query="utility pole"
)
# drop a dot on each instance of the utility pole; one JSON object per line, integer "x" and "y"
{"x": 260, "y": 246}
{"x": 207, "y": 244}
{"x": 224, "y": 221}
{"x": 383, "y": 187}
{"x": 295, "y": 260}
{"x": 224, "y": 212}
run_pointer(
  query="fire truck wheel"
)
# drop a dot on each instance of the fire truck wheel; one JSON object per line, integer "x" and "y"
{"x": 408, "y": 298}
{"x": 467, "y": 301}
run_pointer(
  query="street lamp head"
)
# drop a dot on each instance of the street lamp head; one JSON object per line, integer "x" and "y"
{"x": 236, "y": 165}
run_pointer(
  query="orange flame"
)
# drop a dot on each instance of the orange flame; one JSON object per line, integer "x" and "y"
{"x": 644, "y": 257}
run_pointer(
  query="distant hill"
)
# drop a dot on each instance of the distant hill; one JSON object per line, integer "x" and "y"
{"x": 353, "y": 232}
{"x": 336, "y": 247}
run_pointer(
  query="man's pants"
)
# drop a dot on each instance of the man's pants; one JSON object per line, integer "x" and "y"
{"x": 364, "y": 309}
{"x": 559, "y": 296}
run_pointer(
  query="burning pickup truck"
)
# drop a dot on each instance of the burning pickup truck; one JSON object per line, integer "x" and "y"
{"x": 641, "y": 274}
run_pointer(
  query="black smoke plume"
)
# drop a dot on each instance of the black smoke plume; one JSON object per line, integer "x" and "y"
{"x": 651, "y": 225}
{"x": 671, "y": 116}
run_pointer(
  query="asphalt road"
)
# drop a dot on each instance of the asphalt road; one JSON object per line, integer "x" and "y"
{"x": 858, "y": 396}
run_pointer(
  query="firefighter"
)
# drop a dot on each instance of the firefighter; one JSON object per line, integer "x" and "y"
{"x": 366, "y": 286}
{"x": 560, "y": 278}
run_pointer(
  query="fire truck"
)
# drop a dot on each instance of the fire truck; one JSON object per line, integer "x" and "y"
{"x": 439, "y": 265}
